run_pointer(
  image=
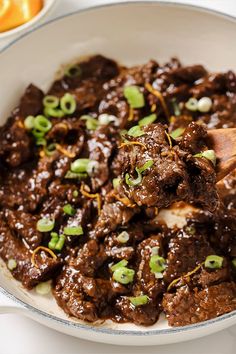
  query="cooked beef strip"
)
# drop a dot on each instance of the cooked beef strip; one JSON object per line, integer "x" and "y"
{"x": 34, "y": 185}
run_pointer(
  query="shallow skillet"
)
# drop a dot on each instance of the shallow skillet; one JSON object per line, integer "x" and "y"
{"x": 130, "y": 33}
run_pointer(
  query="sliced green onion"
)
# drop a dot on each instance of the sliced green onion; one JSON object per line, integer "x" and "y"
{"x": 157, "y": 264}
{"x": 133, "y": 181}
{"x": 68, "y": 104}
{"x": 45, "y": 225}
{"x": 214, "y": 262}
{"x": 29, "y": 122}
{"x": 37, "y": 134}
{"x": 73, "y": 71}
{"x": 69, "y": 210}
{"x": 135, "y": 131}
{"x": 208, "y": 154}
{"x": 91, "y": 123}
{"x": 122, "y": 263}
{"x": 134, "y": 96}
{"x": 139, "y": 300}
{"x": 192, "y": 104}
{"x": 155, "y": 250}
{"x": 123, "y": 237}
{"x": 51, "y": 101}
{"x": 11, "y": 264}
{"x": 177, "y": 133}
{"x": 124, "y": 275}
{"x": 75, "y": 193}
{"x": 54, "y": 239}
{"x": 147, "y": 120}
{"x": 42, "y": 124}
{"x": 147, "y": 165}
{"x": 53, "y": 112}
{"x": 176, "y": 108}
{"x": 74, "y": 175}
{"x": 80, "y": 165}
{"x": 60, "y": 243}
{"x": 106, "y": 118}
{"x": 43, "y": 288}
{"x": 41, "y": 141}
{"x": 204, "y": 104}
{"x": 50, "y": 149}
{"x": 234, "y": 262}
{"x": 116, "y": 182}
{"x": 73, "y": 231}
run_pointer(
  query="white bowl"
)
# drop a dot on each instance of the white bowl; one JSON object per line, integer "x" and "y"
{"x": 13, "y": 33}
{"x": 131, "y": 33}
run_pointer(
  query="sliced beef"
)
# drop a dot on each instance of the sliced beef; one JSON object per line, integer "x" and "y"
{"x": 175, "y": 174}
{"x": 188, "y": 307}
{"x": 13, "y": 248}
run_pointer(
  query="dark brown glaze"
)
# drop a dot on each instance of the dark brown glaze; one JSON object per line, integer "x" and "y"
{"x": 34, "y": 186}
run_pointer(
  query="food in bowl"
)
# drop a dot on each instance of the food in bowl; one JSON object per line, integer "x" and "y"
{"x": 14, "y": 13}
{"x": 85, "y": 170}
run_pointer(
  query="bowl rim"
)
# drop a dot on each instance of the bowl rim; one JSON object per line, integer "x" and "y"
{"x": 86, "y": 326}
{"x": 47, "y": 6}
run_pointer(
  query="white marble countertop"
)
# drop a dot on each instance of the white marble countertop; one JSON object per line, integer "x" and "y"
{"x": 19, "y": 335}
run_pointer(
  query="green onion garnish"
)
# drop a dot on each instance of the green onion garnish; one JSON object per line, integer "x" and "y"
{"x": 134, "y": 96}
{"x": 208, "y": 154}
{"x": 43, "y": 288}
{"x": 139, "y": 300}
{"x": 54, "y": 239}
{"x": 68, "y": 104}
{"x": 50, "y": 149}
{"x": 135, "y": 131}
{"x": 73, "y": 230}
{"x": 75, "y": 193}
{"x": 45, "y": 225}
{"x": 139, "y": 170}
{"x": 69, "y": 210}
{"x": 91, "y": 123}
{"x": 176, "y": 108}
{"x": 123, "y": 237}
{"x": 192, "y": 104}
{"x": 37, "y": 134}
{"x": 73, "y": 71}
{"x": 133, "y": 181}
{"x": 122, "y": 263}
{"x": 214, "y": 262}
{"x": 79, "y": 165}
{"x": 42, "y": 124}
{"x": 60, "y": 243}
{"x": 53, "y": 112}
{"x": 147, "y": 120}
{"x": 51, "y": 101}
{"x": 116, "y": 182}
{"x": 124, "y": 275}
{"x": 177, "y": 133}
{"x": 11, "y": 264}
{"x": 73, "y": 175}
{"x": 41, "y": 141}
{"x": 29, "y": 122}
{"x": 145, "y": 166}
{"x": 157, "y": 264}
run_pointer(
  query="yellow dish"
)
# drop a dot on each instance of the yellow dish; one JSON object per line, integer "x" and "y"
{"x": 14, "y": 13}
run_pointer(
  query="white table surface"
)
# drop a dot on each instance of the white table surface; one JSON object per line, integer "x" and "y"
{"x": 19, "y": 335}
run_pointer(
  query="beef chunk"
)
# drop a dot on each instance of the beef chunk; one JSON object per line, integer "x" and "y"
{"x": 145, "y": 315}
{"x": 175, "y": 174}
{"x": 13, "y": 248}
{"x": 188, "y": 307}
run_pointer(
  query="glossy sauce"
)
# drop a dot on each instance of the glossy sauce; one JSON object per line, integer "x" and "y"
{"x": 14, "y": 13}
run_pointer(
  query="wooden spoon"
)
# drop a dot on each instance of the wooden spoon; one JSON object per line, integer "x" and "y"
{"x": 223, "y": 142}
